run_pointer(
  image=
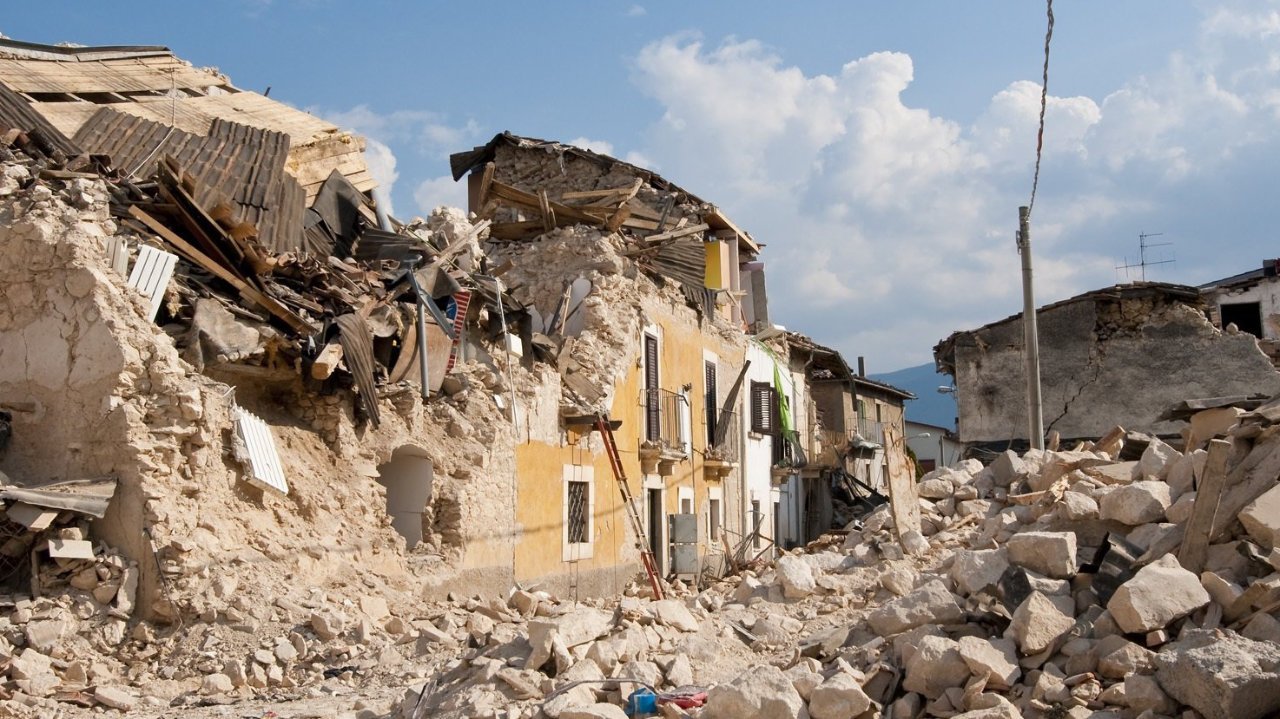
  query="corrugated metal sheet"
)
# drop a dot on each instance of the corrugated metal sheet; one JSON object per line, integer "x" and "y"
{"x": 86, "y": 496}
{"x": 265, "y": 470}
{"x": 151, "y": 274}
{"x": 236, "y": 163}
{"x": 16, "y": 112}
{"x": 357, "y": 351}
{"x": 683, "y": 260}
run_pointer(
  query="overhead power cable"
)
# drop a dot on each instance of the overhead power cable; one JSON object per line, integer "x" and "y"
{"x": 1044, "y": 100}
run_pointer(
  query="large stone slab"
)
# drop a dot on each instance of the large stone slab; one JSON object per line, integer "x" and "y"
{"x": 1222, "y": 675}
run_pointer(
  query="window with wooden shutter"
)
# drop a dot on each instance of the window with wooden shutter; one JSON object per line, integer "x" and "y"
{"x": 712, "y": 408}
{"x": 652, "y": 411}
{"x": 763, "y": 408}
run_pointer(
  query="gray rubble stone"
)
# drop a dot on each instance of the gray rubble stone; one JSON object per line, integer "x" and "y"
{"x": 1137, "y": 503}
{"x": 996, "y": 660}
{"x": 115, "y": 697}
{"x": 1157, "y": 460}
{"x": 796, "y": 577}
{"x": 761, "y": 692}
{"x": 1037, "y": 623}
{"x": 975, "y": 570}
{"x": 1222, "y": 675}
{"x": 935, "y": 666}
{"x": 1052, "y": 554}
{"x": 1261, "y": 518}
{"x": 839, "y": 697}
{"x": 674, "y": 613}
{"x": 931, "y": 603}
{"x": 1008, "y": 468}
{"x": 1158, "y": 594}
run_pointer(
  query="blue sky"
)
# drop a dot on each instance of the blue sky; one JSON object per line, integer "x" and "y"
{"x": 880, "y": 150}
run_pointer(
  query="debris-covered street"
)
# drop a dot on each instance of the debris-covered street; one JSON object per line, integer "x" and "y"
{"x": 267, "y": 449}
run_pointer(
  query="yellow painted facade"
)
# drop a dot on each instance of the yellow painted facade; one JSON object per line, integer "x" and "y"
{"x": 540, "y": 543}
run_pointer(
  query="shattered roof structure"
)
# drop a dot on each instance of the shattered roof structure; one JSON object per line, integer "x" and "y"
{"x": 1268, "y": 269}
{"x": 68, "y": 86}
{"x": 463, "y": 162}
{"x": 944, "y": 351}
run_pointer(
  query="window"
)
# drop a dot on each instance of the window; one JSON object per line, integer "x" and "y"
{"x": 711, "y": 407}
{"x": 862, "y": 409}
{"x": 579, "y": 507}
{"x": 879, "y": 407}
{"x": 579, "y": 494}
{"x": 1246, "y": 316}
{"x": 686, "y": 505}
{"x": 764, "y": 405}
{"x": 713, "y": 519}
{"x": 928, "y": 465}
{"x": 652, "y": 410}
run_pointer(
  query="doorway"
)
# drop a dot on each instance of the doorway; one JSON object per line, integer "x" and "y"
{"x": 407, "y": 477}
{"x": 656, "y": 529}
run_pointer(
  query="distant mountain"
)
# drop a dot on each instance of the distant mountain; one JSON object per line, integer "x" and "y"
{"x": 931, "y": 407}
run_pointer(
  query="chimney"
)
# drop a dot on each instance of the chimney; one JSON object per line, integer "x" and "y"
{"x": 862, "y": 366}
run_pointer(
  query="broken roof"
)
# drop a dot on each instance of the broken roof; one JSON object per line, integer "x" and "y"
{"x": 863, "y": 382}
{"x": 463, "y": 162}
{"x": 944, "y": 351}
{"x": 1268, "y": 269}
{"x": 68, "y": 85}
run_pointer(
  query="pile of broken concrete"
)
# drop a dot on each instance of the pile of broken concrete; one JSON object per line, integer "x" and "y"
{"x": 1052, "y": 584}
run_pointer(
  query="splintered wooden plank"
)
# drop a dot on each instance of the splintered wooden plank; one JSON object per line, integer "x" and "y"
{"x": 255, "y": 295}
{"x": 1195, "y": 542}
{"x": 265, "y": 470}
{"x": 904, "y": 502}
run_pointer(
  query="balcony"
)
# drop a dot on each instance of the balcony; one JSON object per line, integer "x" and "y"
{"x": 722, "y": 457}
{"x": 871, "y": 431}
{"x": 664, "y": 440}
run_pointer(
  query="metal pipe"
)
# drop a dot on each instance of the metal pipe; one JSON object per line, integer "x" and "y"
{"x": 422, "y": 333}
{"x": 1031, "y": 333}
{"x": 380, "y": 209}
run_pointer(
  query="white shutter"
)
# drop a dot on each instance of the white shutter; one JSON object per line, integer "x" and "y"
{"x": 265, "y": 471}
{"x": 151, "y": 275}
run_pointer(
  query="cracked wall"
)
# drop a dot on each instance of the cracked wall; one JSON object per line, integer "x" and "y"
{"x": 96, "y": 389}
{"x": 1103, "y": 363}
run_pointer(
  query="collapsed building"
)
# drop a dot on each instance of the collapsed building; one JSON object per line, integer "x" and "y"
{"x": 262, "y": 445}
{"x": 224, "y": 365}
{"x": 1124, "y": 354}
{"x": 1249, "y": 301}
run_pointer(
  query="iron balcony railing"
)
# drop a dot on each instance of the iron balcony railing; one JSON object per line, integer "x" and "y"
{"x": 662, "y": 412}
{"x": 871, "y": 430}
{"x": 724, "y": 437}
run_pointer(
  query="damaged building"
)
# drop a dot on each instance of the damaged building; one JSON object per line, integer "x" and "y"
{"x": 1121, "y": 355}
{"x": 262, "y": 445}
{"x": 1249, "y": 302}
{"x": 209, "y": 314}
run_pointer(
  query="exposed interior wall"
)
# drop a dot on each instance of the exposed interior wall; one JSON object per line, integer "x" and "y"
{"x": 1103, "y": 363}
{"x": 100, "y": 390}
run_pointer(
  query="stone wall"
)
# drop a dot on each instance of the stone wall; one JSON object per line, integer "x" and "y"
{"x": 1102, "y": 363}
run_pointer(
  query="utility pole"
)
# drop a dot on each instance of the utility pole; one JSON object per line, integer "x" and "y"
{"x": 1030, "y": 333}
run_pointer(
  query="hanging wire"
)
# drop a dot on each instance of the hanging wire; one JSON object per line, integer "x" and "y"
{"x": 1044, "y": 99}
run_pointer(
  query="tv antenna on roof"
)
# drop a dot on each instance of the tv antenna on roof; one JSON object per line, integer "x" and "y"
{"x": 1143, "y": 263}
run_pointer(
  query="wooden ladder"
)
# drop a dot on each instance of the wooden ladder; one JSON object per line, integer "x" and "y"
{"x": 637, "y": 526}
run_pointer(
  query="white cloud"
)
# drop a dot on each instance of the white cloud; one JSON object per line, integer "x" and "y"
{"x": 637, "y": 11}
{"x": 439, "y": 191}
{"x": 603, "y": 147}
{"x": 427, "y": 137}
{"x": 382, "y": 165}
{"x": 875, "y": 211}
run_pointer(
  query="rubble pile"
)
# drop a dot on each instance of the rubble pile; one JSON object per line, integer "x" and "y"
{"x": 1052, "y": 584}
